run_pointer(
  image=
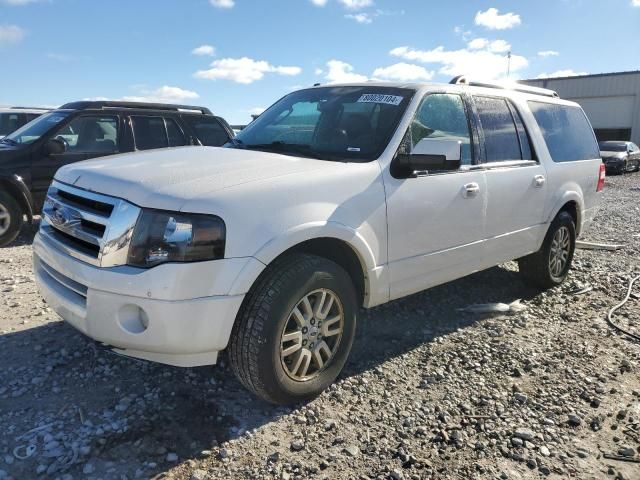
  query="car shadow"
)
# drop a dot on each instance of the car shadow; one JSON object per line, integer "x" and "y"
{"x": 105, "y": 408}
{"x": 26, "y": 235}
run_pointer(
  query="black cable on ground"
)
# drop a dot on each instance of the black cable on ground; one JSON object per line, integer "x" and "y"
{"x": 620, "y": 305}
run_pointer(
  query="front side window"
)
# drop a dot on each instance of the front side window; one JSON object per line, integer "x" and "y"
{"x": 90, "y": 134}
{"x": 443, "y": 117}
{"x": 329, "y": 123}
{"x": 33, "y": 131}
{"x": 566, "y": 131}
{"x": 207, "y": 129}
{"x": 501, "y": 138}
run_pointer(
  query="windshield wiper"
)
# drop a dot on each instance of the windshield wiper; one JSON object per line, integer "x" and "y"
{"x": 283, "y": 147}
{"x": 9, "y": 141}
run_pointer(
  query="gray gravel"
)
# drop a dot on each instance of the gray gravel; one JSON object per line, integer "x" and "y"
{"x": 430, "y": 391}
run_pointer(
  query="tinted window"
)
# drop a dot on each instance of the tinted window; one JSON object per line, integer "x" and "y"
{"x": 501, "y": 139}
{"x": 443, "y": 117}
{"x": 526, "y": 147}
{"x": 612, "y": 147}
{"x": 175, "y": 135}
{"x": 208, "y": 130}
{"x": 9, "y": 122}
{"x": 566, "y": 131}
{"x": 149, "y": 133}
{"x": 90, "y": 134}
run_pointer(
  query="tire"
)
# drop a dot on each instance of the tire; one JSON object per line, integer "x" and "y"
{"x": 536, "y": 269}
{"x": 267, "y": 314}
{"x": 11, "y": 219}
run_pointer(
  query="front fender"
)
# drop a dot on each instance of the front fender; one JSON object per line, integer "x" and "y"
{"x": 16, "y": 186}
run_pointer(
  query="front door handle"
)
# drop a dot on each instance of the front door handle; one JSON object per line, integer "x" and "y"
{"x": 539, "y": 180}
{"x": 471, "y": 190}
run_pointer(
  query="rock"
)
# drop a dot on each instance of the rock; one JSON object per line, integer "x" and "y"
{"x": 524, "y": 434}
{"x": 574, "y": 420}
{"x": 88, "y": 469}
{"x": 544, "y": 451}
{"x": 352, "y": 450}
{"x": 172, "y": 457}
{"x": 627, "y": 451}
{"x": 198, "y": 475}
{"x": 297, "y": 445}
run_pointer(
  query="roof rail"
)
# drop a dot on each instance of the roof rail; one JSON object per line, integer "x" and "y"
{"x": 517, "y": 87}
{"x": 100, "y": 104}
{"x": 30, "y": 108}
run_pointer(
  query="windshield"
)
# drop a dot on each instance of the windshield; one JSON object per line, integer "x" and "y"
{"x": 35, "y": 129}
{"x": 613, "y": 147}
{"x": 330, "y": 123}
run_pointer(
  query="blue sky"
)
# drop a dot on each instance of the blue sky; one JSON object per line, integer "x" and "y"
{"x": 238, "y": 56}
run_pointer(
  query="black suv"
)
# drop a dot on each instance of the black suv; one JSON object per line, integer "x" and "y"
{"x": 30, "y": 156}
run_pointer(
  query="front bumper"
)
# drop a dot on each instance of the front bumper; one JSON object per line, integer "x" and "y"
{"x": 177, "y": 314}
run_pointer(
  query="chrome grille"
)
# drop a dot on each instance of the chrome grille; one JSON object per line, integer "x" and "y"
{"x": 89, "y": 226}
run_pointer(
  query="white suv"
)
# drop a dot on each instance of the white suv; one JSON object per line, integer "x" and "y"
{"x": 335, "y": 198}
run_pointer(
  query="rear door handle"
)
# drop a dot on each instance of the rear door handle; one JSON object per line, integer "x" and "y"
{"x": 539, "y": 180}
{"x": 471, "y": 190}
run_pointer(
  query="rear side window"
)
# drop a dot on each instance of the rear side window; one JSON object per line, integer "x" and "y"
{"x": 501, "y": 137}
{"x": 175, "y": 135}
{"x": 566, "y": 131}
{"x": 149, "y": 133}
{"x": 208, "y": 130}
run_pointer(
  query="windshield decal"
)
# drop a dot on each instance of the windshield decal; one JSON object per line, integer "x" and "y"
{"x": 380, "y": 98}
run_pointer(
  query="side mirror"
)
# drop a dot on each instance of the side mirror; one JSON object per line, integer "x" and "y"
{"x": 431, "y": 155}
{"x": 55, "y": 147}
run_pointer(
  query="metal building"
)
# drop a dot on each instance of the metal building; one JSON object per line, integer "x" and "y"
{"x": 611, "y": 101}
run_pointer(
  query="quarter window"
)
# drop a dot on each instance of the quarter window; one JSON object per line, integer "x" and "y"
{"x": 443, "y": 117}
{"x": 90, "y": 134}
{"x": 175, "y": 135}
{"x": 501, "y": 137}
{"x": 566, "y": 131}
{"x": 149, "y": 133}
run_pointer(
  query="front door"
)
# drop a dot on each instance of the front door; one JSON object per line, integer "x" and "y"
{"x": 436, "y": 222}
{"x": 86, "y": 136}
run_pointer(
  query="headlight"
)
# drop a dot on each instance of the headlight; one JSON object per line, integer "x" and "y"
{"x": 161, "y": 237}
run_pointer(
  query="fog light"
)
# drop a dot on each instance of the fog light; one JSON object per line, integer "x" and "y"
{"x": 133, "y": 319}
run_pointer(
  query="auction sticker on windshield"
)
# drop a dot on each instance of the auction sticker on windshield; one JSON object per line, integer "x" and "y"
{"x": 380, "y": 98}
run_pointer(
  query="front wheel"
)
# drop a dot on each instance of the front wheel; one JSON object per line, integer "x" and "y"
{"x": 295, "y": 329}
{"x": 11, "y": 219}
{"x": 550, "y": 265}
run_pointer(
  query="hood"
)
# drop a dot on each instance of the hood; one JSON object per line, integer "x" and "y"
{"x": 610, "y": 155}
{"x": 167, "y": 178}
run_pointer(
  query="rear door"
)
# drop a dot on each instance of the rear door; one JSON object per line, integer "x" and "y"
{"x": 516, "y": 180}
{"x": 86, "y": 136}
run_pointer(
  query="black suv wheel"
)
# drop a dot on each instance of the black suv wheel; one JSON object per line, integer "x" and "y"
{"x": 295, "y": 329}
{"x": 11, "y": 219}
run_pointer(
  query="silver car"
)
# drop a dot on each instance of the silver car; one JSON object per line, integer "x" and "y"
{"x": 620, "y": 157}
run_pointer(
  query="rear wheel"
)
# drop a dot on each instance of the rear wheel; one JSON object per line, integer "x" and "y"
{"x": 11, "y": 218}
{"x": 295, "y": 329}
{"x": 550, "y": 265}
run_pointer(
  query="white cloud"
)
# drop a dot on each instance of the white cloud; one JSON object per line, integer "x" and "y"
{"x": 550, "y": 53}
{"x": 18, "y": 3}
{"x": 562, "y": 73}
{"x": 635, "y": 3}
{"x": 360, "y": 17}
{"x": 244, "y": 70}
{"x": 492, "y": 20}
{"x": 256, "y": 111}
{"x": 318, "y": 71}
{"x": 165, "y": 94}
{"x": 403, "y": 72}
{"x": 341, "y": 72}
{"x": 223, "y": 3}
{"x": 356, "y": 4}
{"x": 319, "y": 3}
{"x": 10, "y": 34}
{"x": 204, "y": 50}
{"x": 479, "y": 64}
{"x": 496, "y": 46}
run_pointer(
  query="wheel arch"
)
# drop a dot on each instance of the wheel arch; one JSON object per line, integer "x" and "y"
{"x": 15, "y": 186}
{"x": 572, "y": 203}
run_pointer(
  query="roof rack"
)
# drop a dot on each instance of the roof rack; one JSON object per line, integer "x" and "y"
{"x": 517, "y": 87}
{"x": 29, "y": 108}
{"x": 100, "y": 104}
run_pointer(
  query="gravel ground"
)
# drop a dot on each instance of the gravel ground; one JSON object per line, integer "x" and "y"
{"x": 545, "y": 390}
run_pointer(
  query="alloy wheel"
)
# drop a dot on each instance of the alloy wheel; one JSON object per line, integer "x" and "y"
{"x": 5, "y": 219}
{"x": 560, "y": 250}
{"x": 311, "y": 335}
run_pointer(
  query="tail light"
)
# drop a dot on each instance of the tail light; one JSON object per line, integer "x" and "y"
{"x": 601, "y": 177}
